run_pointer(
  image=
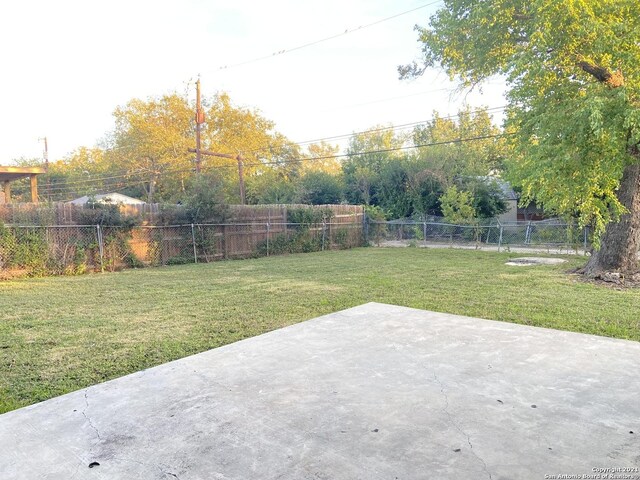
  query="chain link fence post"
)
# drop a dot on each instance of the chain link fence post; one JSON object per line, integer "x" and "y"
{"x": 365, "y": 227}
{"x": 268, "y": 235}
{"x": 324, "y": 232}
{"x": 100, "y": 246}
{"x": 193, "y": 240}
{"x": 500, "y": 238}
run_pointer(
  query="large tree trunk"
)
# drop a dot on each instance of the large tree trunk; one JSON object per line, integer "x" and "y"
{"x": 621, "y": 240}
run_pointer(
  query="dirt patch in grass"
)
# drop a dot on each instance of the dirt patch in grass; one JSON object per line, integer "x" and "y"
{"x": 615, "y": 280}
{"x": 534, "y": 261}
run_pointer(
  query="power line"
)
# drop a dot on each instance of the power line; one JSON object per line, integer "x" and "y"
{"x": 386, "y": 150}
{"x": 403, "y": 126}
{"x": 87, "y": 183}
{"x": 325, "y": 39}
{"x": 326, "y": 157}
{"x": 95, "y": 178}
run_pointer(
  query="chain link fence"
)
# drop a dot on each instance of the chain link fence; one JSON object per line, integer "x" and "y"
{"x": 543, "y": 235}
{"x": 77, "y": 249}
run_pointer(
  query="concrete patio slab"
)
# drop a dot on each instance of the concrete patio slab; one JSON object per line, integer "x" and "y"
{"x": 373, "y": 392}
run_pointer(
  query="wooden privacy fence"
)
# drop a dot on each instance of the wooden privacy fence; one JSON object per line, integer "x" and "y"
{"x": 59, "y": 213}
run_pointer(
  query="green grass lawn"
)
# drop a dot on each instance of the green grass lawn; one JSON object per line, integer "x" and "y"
{"x": 63, "y": 333}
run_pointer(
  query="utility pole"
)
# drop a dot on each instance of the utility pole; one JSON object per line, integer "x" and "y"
{"x": 241, "y": 178}
{"x": 199, "y": 121}
{"x": 46, "y": 167}
{"x": 199, "y": 152}
{"x": 238, "y": 158}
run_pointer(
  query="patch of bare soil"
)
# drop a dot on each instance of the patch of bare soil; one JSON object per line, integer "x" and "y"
{"x": 530, "y": 261}
{"x": 616, "y": 280}
{"x": 13, "y": 273}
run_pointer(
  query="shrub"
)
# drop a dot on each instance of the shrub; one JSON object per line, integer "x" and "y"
{"x": 309, "y": 216}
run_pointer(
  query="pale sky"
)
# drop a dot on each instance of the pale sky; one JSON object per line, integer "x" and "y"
{"x": 68, "y": 64}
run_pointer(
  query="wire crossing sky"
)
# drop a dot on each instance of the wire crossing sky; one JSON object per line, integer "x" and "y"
{"x": 69, "y": 64}
{"x": 316, "y": 42}
{"x": 65, "y": 192}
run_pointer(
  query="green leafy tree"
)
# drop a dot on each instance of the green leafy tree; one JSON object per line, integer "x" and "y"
{"x": 149, "y": 146}
{"x": 488, "y": 198}
{"x": 150, "y": 143}
{"x": 573, "y": 73}
{"x": 368, "y": 152}
{"x": 322, "y": 157}
{"x": 205, "y": 200}
{"x": 233, "y": 129}
{"x": 424, "y": 188}
{"x": 85, "y": 171}
{"x": 270, "y": 187}
{"x": 457, "y": 206}
{"x": 482, "y": 150}
{"x": 391, "y": 188}
{"x": 320, "y": 188}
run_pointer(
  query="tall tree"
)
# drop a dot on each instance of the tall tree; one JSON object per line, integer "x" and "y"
{"x": 322, "y": 157}
{"x": 270, "y": 187}
{"x": 573, "y": 73}
{"x": 152, "y": 137}
{"x": 320, "y": 188}
{"x": 368, "y": 152}
{"x": 82, "y": 172}
{"x": 481, "y": 151}
{"x": 150, "y": 142}
{"x": 238, "y": 130}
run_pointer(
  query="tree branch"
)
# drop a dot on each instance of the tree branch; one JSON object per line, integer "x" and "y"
{"x": 602, "y": 74}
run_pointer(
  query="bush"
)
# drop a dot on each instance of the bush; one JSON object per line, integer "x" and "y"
{"x": 375, "y": 231}
{"x": 205, "y": 200}
{"x": 309, "y": 216}
{"x": 179, "y": 260}
{"x": 299, "y": 239}
{"x": 342, "y": 238}
{"x": 321, "y": 188}
{"x": 24, "y": 249}
{"x": 105, "y": 214}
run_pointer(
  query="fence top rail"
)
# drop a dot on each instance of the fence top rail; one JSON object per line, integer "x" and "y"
{"x": 480, "y": 225}
{"x": 189, "y": 225}
{"x": 257, "y": 224}
{"x": 416, "y": 222}
{"x": 538, "y": 224}
{"x": 9, "y": 225}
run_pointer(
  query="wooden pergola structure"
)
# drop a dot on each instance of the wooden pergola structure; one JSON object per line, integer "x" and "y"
{"x": 11, "y": 174}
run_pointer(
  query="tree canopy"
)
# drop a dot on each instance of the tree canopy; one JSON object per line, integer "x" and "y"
{"x": 146, "y": 155}
{"x": 404, "y": 173}
{"x": 573, "y": 73}
{"x": 484, "y": 149}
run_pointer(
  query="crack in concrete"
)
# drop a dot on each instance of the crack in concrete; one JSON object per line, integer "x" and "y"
{"x": 163, "y": 468}
{"x": 445, "y": 410}
{"x": 84, "y": 414}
